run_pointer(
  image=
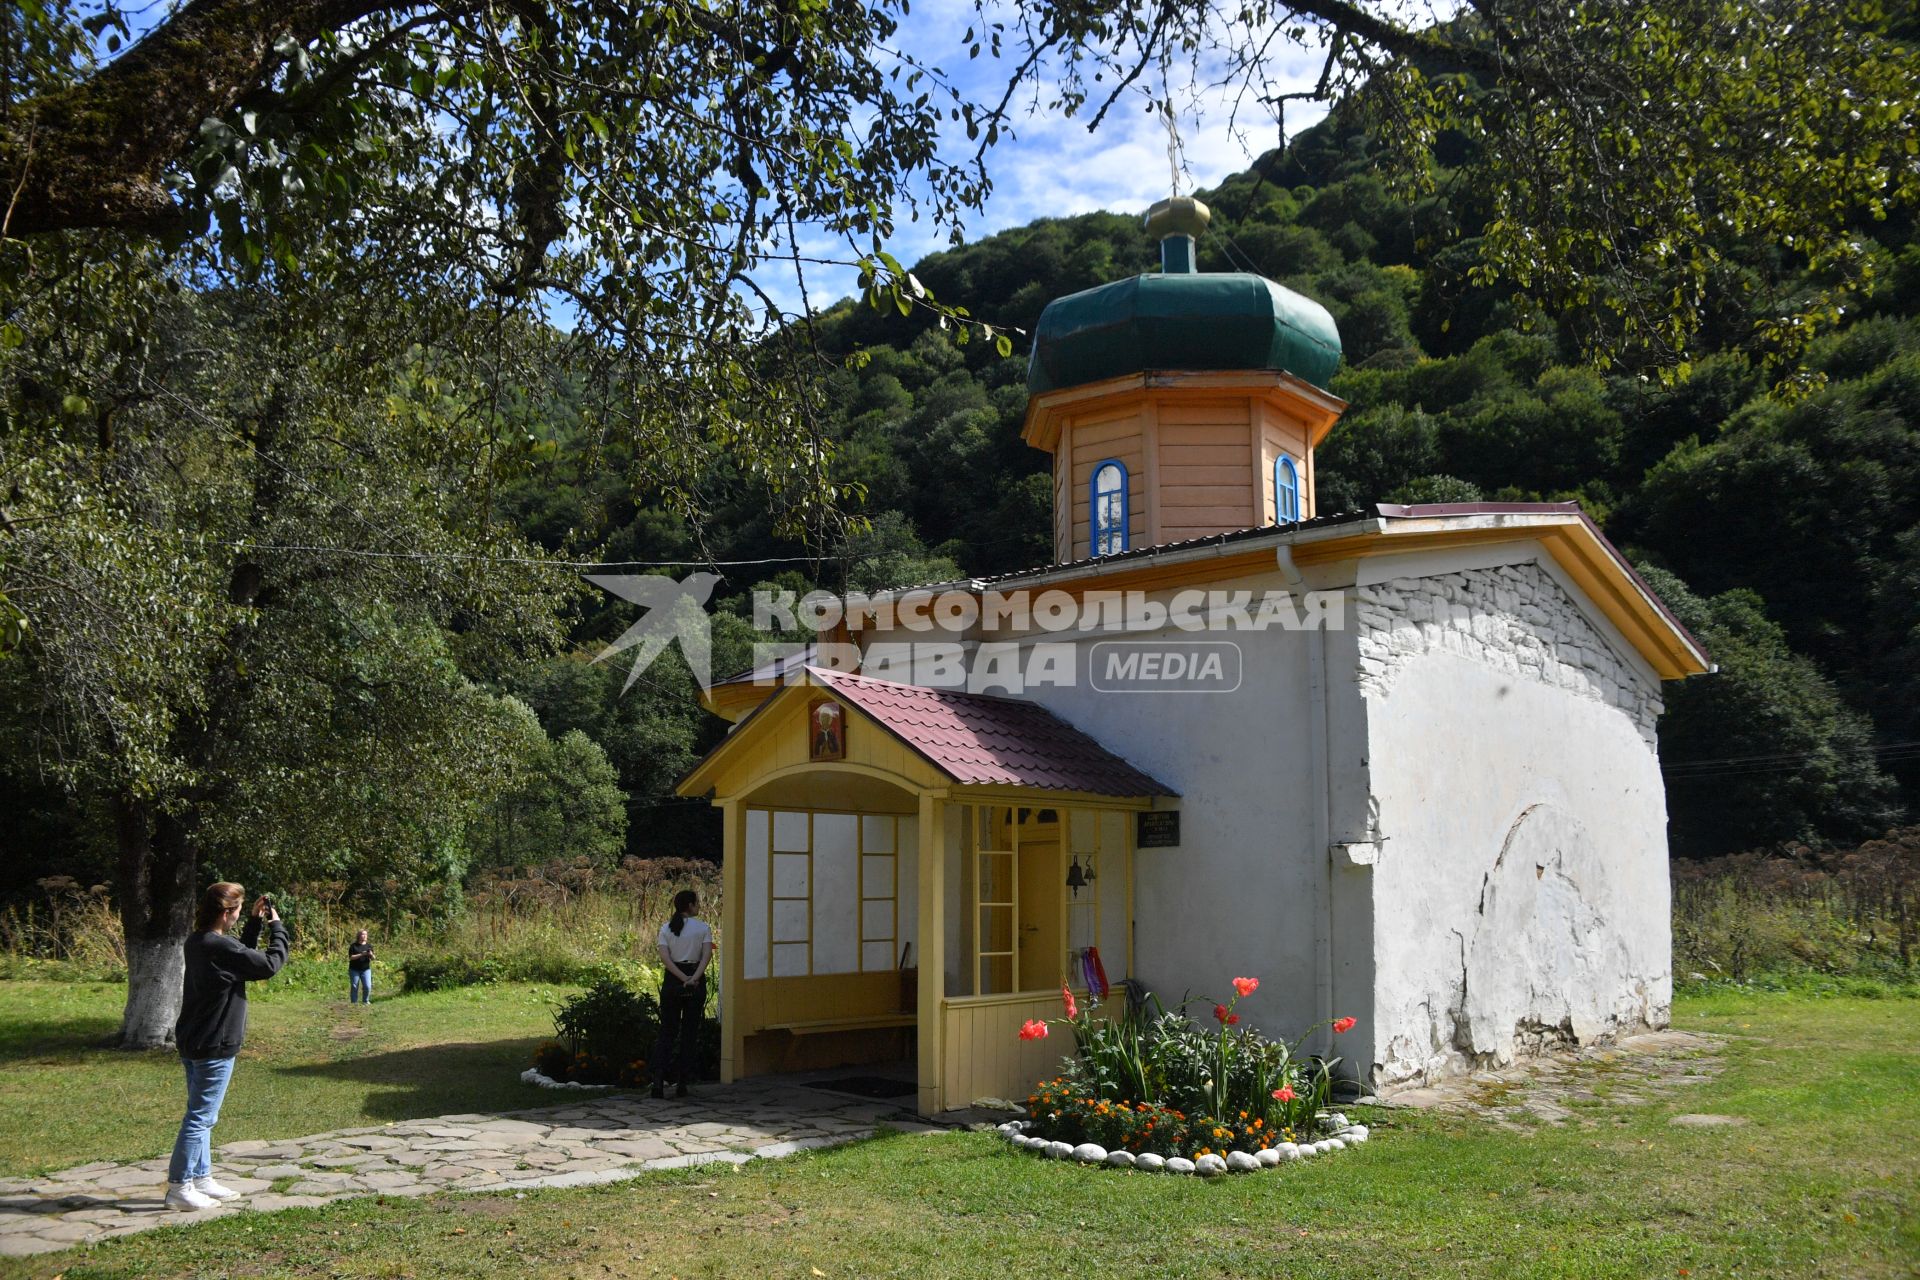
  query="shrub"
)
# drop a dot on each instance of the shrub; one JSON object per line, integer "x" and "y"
{"x": 437, "y": 971}
{"x": 609, "y": 1019}
{"x": 606, "y": 1034}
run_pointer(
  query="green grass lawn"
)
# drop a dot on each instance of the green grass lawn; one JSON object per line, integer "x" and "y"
{"x": 1824, "y": 1180}
{"x": 312, "y": 1063}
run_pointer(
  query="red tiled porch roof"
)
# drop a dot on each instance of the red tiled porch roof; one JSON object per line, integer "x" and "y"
{"x": 979, "y": 738}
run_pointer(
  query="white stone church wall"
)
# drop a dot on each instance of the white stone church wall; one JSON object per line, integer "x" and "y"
{"x": 1520, "y": 893}
{"x": 1240, "y": 895}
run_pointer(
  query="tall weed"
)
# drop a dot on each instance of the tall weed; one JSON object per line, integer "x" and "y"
{"x": 73, "y": 932}
{"x": 1801, "y": 913}
{"x": 562, "y": 924}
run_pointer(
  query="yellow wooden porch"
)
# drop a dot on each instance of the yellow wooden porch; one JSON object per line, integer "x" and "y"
{"x": 834, "y": 866}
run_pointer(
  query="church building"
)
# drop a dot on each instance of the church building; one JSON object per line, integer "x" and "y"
{"x": 1398, "y": 764}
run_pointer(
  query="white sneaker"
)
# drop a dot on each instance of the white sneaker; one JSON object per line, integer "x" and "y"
{"x": 208, "y": 1187}
{"x": 186, "y": 1196}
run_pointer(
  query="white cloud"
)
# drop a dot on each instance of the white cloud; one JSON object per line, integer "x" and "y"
{"x": 1053, "y": 166}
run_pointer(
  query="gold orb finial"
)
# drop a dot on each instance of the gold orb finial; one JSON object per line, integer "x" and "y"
{"x": 1178, "y": 216}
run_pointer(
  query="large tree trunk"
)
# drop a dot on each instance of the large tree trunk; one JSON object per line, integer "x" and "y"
{"x": 157, "y": 874}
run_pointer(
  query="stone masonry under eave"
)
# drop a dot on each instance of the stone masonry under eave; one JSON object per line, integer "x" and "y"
{"x": 1515, "y": 619}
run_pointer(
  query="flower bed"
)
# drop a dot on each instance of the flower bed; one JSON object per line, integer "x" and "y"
{"x": 1211, "y": 1164}
{"x": 1151, "y": 1089}
{"x": 557, "y": 1067}
{"x": 603, "y": 1035}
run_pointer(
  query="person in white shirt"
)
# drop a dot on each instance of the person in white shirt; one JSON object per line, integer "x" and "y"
{"x": 686, "y": 946}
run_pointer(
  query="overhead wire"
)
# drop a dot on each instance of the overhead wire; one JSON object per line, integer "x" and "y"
{"x": 490, "y": 558}
{"x": 1783, "y": 762}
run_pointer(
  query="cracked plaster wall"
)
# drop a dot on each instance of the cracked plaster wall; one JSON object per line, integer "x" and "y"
{"x": 1521, "y": 893}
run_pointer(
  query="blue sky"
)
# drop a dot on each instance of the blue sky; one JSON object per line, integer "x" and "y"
{"x": 1053, "y": 167}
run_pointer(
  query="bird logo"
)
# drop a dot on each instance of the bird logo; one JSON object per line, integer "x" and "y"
{"x": 674, "y": 611}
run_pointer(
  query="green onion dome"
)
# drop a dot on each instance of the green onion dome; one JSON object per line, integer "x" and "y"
{"x": 1181, "y": 319}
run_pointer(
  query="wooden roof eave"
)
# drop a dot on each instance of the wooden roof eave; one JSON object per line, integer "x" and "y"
{"x": 1575, "y": 545}
{"x": 703, "y": 777}
{"x": 1047, "y": 411}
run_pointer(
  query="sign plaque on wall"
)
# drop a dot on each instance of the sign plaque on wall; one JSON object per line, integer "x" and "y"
{"x": 1156, "y": 829}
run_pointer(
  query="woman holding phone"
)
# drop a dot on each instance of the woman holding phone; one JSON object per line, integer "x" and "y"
{"x": 212, "y": 1026}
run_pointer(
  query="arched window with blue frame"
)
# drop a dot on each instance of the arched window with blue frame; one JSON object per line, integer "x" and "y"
{"x": 1107, "y": 507}
{"x": 1286, "y": 491}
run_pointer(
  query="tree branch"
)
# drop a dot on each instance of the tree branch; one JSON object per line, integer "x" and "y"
{"x": 100, "y": 148}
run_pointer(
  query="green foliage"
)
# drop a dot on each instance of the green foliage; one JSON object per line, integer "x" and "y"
{"x": 441, "y": 970}
{"x": 258, "y": 639}
{"x": 608, "y": 1028}
{"x": 1764, "y": 749}
{"x": 68, "y": 933}
{"x": 1378, "y": 451}
{"x": 1812, "y": 504}
{"x": 569, "y": 806}
{"x": 648, "y": 735}
{"x": 1436, "y": 489}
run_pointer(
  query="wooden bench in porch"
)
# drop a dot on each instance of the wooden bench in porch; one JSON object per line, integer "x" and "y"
{"x": 860, "y": 1022}
{"x": 792, "y": 1057}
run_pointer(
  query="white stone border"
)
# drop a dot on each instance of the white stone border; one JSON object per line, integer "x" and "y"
{"x": 1208, "y": 1166}
{"x": 532, "y": 1076}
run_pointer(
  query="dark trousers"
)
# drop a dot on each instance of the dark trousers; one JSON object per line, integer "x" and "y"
{"x": 677, "y": 1056}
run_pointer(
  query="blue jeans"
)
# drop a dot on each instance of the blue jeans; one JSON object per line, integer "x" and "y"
{"x": 359, "y": 986}
{"x": 206, "y": 1087}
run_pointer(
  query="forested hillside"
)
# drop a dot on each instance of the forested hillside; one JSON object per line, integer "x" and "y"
{"x": 1776, "y": 506}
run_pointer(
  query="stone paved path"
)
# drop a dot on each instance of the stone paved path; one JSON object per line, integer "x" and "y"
{"x": 1575, "y": 1086}
{"x": 598, "y": 1139}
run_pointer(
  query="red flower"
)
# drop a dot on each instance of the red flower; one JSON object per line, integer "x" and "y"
{"x": 1246, "y": 986}
{"x": 1285, "y": 1093}
{"x": 1345, "y": 1024}
{"x": 1033, "y": 1029}
{"x": 1220, "y": 1012}
{"x": 1073, "y": 1010}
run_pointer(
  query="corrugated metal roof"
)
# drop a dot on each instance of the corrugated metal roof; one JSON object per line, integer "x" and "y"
{"x": 979, "y": 738}
{"x": 1162, "y": 548}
